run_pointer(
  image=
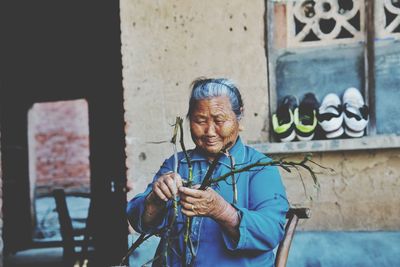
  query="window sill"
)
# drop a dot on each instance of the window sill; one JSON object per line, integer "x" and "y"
{"x": 366, "y": 142}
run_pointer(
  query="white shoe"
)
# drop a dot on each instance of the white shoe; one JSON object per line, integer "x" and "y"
{"x": 330, "y": 115}
{"x": 354, "y": 134}
{"x": 335, "y": 134}
{"x": 356, "y": 113}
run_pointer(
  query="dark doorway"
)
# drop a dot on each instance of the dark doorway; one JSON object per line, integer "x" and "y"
{"x": 53, "y": 51}
{"x": 58, "y": 147}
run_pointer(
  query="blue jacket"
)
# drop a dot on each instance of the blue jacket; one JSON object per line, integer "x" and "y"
{"x": 261, "y": 201}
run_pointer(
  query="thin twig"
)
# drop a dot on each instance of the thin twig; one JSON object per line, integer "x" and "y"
{"x": 207, "y": 179}
{"x": 181, "y": 141}
{"x": 234, "y": 188}
{"x": 284, "y": 164}
{"x": 135, "y": 245}
{"x": 302, "y": 180}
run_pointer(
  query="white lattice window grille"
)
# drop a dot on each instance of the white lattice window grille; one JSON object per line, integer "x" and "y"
{"x": 387, "y": 19}
{"x": 324, "y": 22}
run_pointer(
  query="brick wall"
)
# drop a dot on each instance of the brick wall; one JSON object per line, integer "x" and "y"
{"x": 59, "y": 146}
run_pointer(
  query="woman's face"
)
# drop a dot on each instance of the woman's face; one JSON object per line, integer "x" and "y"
{"x": 213, "y": 125}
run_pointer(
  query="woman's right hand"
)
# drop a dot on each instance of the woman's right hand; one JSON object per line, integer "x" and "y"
{"x": 164, "y": 189}
{"x": 166, "y": 186}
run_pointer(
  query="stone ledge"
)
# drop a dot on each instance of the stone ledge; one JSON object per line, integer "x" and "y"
{"x": 366, "y": 142}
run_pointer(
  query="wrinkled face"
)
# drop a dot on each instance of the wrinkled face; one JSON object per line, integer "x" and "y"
{"x": 213, "y": 125}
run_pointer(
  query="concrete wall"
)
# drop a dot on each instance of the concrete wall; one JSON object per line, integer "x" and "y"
{"x": 361, "y": 193}
{"x": 167, "y": 44}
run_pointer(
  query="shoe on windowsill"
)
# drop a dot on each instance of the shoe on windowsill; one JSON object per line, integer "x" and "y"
{"x": 305, "y": 117}
{"x": 283, "y": 119}
{"x": 356, "y": 113}
{"x": 330, "y": 116}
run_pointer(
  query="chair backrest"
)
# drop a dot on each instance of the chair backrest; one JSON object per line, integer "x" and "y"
{"x": 68, "y": 232}
{"x": 293, "y": 216}
{"x": 65, "y": 221}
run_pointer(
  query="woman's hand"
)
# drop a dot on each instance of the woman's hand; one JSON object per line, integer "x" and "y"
{"x": 209, "y": 203}
{"x": 202, "y": 202}
{"x": 166, "y": 186}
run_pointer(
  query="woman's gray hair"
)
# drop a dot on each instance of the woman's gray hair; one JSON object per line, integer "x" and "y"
{"x": 204, "y": 88}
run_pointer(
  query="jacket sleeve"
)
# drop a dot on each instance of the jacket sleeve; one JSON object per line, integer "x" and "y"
{"x": 136, "y": 205}
{"x": 262, "y": 222}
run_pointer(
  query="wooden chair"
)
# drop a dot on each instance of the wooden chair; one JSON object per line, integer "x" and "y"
{"x": 69, "y": 234}
{"x": 293, "y": 216}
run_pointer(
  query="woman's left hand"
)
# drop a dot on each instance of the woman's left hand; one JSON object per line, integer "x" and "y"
{"x": 209, "y": 203}
{"x": 197, "y": 202}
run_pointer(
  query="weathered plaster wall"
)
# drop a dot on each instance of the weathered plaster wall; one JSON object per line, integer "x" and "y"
{"x": 361, "y": 193}
{"x": 166, "y": 44}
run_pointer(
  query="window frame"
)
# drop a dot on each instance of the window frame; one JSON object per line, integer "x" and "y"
{"x": 371, "y": 140}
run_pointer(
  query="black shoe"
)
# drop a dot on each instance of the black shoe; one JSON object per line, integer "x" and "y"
{"x": 283, "y": 119}
{"x": 305, "y": 117}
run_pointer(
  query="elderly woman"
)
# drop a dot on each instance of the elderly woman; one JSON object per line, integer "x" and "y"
{"x": 224, "y": 231}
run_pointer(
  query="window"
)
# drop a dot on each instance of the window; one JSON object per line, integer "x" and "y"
{"x": 327, "y": 46}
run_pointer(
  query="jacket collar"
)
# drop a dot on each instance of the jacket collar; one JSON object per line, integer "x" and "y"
{"x": 237, "y": 151}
